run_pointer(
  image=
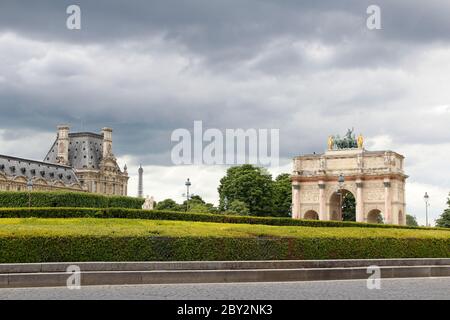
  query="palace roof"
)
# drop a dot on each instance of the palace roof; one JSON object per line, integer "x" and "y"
{"x": 13, "y": 166}
{"x": 85, "y": 150}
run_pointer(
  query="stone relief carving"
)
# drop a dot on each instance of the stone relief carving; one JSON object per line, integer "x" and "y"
{"x": 375, "y": 195}
{"x": 389, "y": 159}
{"x": 359, "y": 161}
{"x": 312, "y": 196}
{"x": 373, "y": 184}
{"x": 322, "y": 163}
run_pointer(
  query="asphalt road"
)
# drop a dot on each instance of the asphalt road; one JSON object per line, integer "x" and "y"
{"x": 415, "y": 288}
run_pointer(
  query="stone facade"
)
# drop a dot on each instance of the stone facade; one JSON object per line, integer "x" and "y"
{"x": 375, "y": 178}
{"x": 91, "y": 157}
{"x": 76, "y": 162}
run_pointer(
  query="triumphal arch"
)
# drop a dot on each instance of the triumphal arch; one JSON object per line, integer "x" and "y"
{"x": 375, "y": 179}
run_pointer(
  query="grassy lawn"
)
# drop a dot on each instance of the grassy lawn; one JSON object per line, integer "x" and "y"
{"x": 19, "y": 227}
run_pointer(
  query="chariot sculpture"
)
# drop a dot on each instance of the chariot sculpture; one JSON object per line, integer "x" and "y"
{"x": 349, "y": 141}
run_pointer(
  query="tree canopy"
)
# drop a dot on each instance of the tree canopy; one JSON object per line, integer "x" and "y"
{"x": 249, "y": 184}
{"x": 237, "y": 207}
{"x": 168, "y": 204}
{"x": 348, "y": 207}
{"x": 444, "y": 220}
{"x": 282, "y": 196}
{"x": 411, "y": 221}
{"x": 254, "y": 187}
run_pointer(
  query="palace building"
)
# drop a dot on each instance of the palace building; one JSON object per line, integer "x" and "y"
{"x": 81, "y": 161}
{"x": 375, "y": 179}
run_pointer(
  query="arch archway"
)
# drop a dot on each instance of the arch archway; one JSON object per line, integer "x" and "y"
{"x": 374, "y": 216}
{"x": 311, "y": 215}
{"x": 342, "y": 206}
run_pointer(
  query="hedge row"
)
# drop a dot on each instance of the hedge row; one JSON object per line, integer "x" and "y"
{"x": 110, "y": 248}
{"x": 66, "y": 199}
{"x": 181, "y": 216}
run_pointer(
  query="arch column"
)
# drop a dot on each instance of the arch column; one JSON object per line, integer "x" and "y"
{"x": 322, "y": 201}
{"x": 387, "y": 201}
{"x": 296, "y": 200}
{"x": 359, "y": 202}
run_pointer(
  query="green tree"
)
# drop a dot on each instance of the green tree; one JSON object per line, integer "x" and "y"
{"x": 282, "y": 196}
{"x": 444, "y": 219}
{"x": 168, "y": 204}
{"x": 197, "y": 204}
{"x": 199, "y": 207}
{"x": 238, "y": 207}
{"x": 197, "y": 198}
{"x": 249, "y": 184}
{"x": 348, "y": 207}
{"x": 411, "y": 221}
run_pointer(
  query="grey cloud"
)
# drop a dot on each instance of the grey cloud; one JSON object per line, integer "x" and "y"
{"x": 247, "y": 66}
{"x": 223, "y": 32}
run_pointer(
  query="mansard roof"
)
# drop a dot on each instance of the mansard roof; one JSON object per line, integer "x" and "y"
{"x": 85, "y": 150}
{"x": 15, "y": 167}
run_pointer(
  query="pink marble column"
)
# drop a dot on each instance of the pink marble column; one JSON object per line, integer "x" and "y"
{"x": 387, "y": 201}
{"x": 359, "y": 202}
{"x": 295, "y": 200}
{"x": 322, "y": 205}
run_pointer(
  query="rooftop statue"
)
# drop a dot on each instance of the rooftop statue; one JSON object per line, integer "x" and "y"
{"x": 349, "y": 141}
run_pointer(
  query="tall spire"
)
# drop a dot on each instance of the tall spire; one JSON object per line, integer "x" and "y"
{"x": 141, "y": 182}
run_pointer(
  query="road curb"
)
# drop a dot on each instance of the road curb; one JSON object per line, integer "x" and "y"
{"x": 58, "y": 279}
{"x": 216, "y": 265}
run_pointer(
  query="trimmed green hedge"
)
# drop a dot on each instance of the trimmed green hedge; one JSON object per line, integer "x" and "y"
{"x": 110, "y": 248}
{"x": 48, "y": 240}
{"x": 181, "y": 216}
{"x": 66, "y": 199}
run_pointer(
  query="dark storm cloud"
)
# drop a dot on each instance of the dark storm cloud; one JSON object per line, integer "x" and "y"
{"x": 224, "y": 31}
{"x": 249, "y": 64}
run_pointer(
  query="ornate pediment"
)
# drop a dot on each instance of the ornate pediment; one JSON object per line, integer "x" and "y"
{"x": 109, "y": 164}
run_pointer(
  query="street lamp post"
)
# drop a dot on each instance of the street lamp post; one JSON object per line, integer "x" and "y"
{"x": 426, "y": 198}
{"x": 187, "y": 184}
{"x": 29, "y": 188}
{"x": 341, "y": 181}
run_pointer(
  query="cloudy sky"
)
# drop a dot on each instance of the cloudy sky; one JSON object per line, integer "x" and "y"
{"x": 309, "y": 68}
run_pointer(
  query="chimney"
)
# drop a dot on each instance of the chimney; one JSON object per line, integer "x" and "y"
{"x": 63, "y": 144}
{"x": 107, "y": 142}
